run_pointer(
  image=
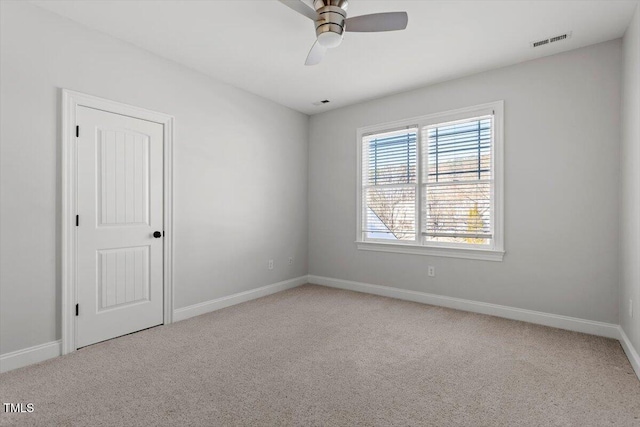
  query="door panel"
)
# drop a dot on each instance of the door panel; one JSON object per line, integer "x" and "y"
{"x": 122, "y": 277}
{"x": 120, "y": 191}
{"x": 123, "y": 177}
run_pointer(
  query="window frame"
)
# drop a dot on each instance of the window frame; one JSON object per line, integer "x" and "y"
{"x": 492, "y": 252}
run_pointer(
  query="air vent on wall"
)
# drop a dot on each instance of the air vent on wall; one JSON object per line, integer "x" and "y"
{"x": 550, "y": 40}
{"x": 541, "y": 42}
{"x": 324, "y": 101}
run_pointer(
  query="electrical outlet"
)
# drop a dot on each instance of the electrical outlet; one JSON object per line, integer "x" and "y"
{"x": 630, "y": 308}
{"x": 290, "y": 260}
{"x": 431, "y": 271}
{"x": 270, "y": 264}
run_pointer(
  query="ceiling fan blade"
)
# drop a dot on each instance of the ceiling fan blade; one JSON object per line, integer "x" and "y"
{"x": 301, "y": 7}
{"x": 391, "y": 21}
{"x": 315, "y": 54}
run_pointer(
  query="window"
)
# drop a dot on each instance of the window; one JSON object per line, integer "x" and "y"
{"x": 390, "y": 184}
{"x": 433, "y": 185}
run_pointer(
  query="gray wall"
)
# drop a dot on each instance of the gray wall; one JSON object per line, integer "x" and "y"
{"x": 630, "y": 173}
{"x": 240, "y": 169}
{"x": 562, "y": 139}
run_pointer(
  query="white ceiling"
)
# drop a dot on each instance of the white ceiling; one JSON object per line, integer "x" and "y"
{"x": 261, "y": 45}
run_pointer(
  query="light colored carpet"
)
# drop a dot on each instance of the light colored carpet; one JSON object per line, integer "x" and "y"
{"x": 320, "y": 356}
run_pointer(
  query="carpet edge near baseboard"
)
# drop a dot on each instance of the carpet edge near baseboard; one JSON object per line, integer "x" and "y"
{"x": 238, "y": 298}
{"x": 29, "y": 356}
{"x": 575, "y": 324}
{"x": 42, "y": 352}
{"x": 592, "y": 327}
{"x": 630, "y": 351}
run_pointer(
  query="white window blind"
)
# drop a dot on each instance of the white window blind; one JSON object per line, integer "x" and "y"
{"x": 457, "y": 181}
{"x": 389, "y": 178}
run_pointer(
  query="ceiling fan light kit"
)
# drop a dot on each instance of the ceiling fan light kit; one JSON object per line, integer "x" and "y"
{"x": 330, "y": 22}
{"x": 330, "y": 17}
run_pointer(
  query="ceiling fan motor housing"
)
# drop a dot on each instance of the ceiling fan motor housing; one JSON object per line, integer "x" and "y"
{"x": 330, "y": 22}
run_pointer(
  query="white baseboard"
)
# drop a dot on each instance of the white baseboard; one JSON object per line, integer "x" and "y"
{"x": 631, "y": 352}
{"x": 217, "y": 304}
{"x": 29, "y": 356}
{"x": 608, "y": 330}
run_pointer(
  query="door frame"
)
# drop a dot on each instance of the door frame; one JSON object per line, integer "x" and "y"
{"x": 71, "y": 100}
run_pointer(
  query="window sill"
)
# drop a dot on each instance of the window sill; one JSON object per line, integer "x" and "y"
{"x": 478, "y": 254}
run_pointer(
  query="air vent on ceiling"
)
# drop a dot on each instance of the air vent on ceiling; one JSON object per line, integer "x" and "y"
{"x": 324, "y": 101}
{"x": 550, "y": 40}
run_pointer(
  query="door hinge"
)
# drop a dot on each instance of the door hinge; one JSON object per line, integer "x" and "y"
{"x": 77, "y": 131}
{"x": 77, "y": 309}
{"x": 77, "y": 220}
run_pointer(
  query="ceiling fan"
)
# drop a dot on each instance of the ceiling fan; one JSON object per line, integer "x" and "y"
{"x": 330, "y": 17}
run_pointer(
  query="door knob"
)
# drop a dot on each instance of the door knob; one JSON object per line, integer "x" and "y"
{"x": 157, "y": 234}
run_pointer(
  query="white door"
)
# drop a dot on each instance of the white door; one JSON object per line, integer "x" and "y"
{"x": 120, "y": 190}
